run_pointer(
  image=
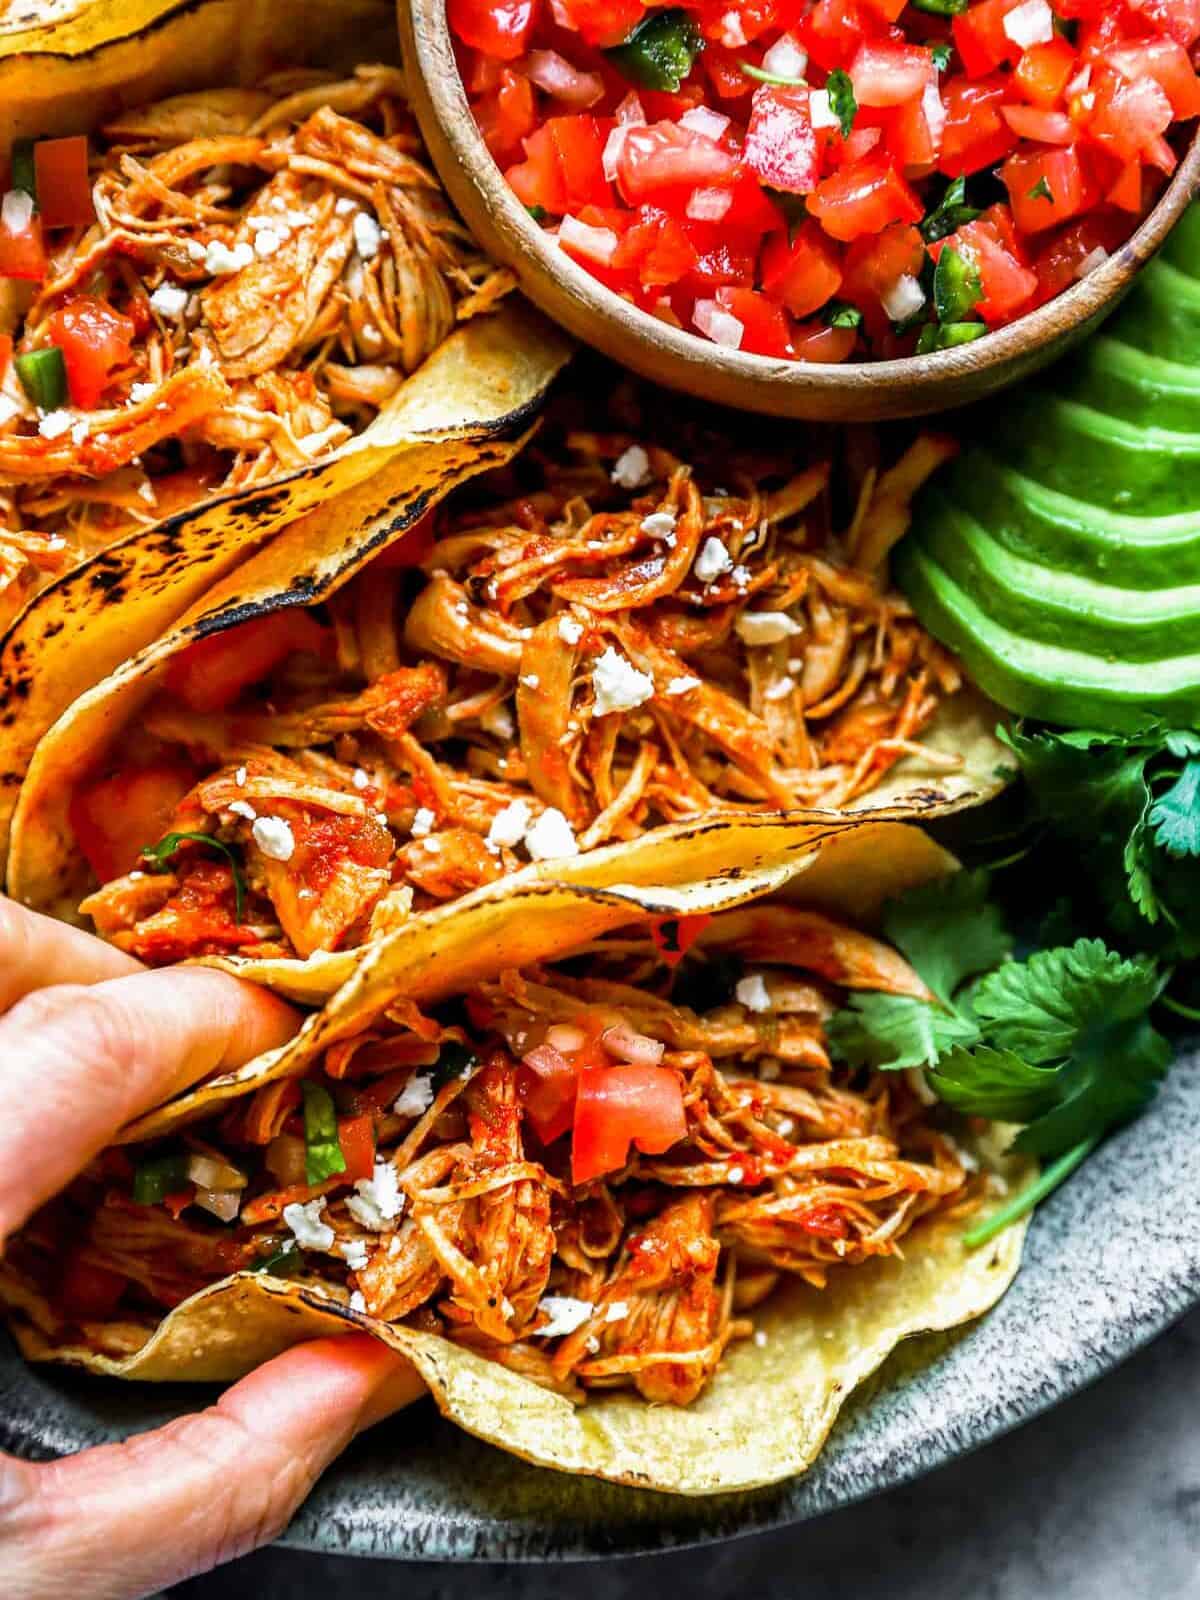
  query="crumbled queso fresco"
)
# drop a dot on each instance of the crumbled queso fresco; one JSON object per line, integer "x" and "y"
{"x": 752, "y": 992}
{"x": 565, "y": 1313}
{"x": 550, "y": 837}
{"x": 765, "y": 627}
{"x": 618, "y": 685}
{"x": 416, "y": 1097}
{"x": 377, "y": 1200}
{"x": 632, "y": 468}
{"x": 713, "y": 560}
{"x": 274, "y": 838}
{"x": 305, "y": 1222}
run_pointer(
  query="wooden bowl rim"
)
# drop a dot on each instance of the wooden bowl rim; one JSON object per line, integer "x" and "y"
{"x": 545, "y": 270}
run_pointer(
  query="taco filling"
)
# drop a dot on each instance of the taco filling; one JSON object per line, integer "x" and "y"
{"x": 591, "y": 1173}
{"x": 213, "y": 290}
{"x": 613, "y": 635}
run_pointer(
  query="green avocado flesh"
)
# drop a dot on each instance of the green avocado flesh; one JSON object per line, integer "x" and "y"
{"x": 1059, "y": 554}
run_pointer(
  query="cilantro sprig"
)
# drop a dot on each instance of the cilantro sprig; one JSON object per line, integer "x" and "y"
{"x": 1061, "y": 1042}
{"x": 158, "y": 859}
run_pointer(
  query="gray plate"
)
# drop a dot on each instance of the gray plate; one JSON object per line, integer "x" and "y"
{"x": 1112, "y": 1260}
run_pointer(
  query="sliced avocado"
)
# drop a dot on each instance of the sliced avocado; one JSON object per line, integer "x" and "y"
{"x": 1040, "y": 680}
{"x": 1057, "y": 606}
{"x": 1058, "y": 531}
{"x": 1059, "y": 555}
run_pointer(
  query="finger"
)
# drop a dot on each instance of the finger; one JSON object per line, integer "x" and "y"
{"x": 36, "y": 951}
{"x": 128, "y": 1519}
{"x": 80, "y": 1062}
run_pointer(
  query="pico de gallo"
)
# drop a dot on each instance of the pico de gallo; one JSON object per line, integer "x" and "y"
{"x": 823, "y": 180}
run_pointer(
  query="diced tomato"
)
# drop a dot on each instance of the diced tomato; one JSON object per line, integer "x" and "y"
{"x": 96, "y": 342}
{"x": 1044, "y": 71}
{"x": 1130, "y": 118}
{"x": 115, "y": 817}
{"x": 547, "y": 1084}
{"x": 1039, "y": 125}
{"x": 765, "y": 329}
{"x": 210, "y": 674}
{"x": 356, "y": 1136}
{"x": 980, "y": 37}
{"x": 724, "y": 72}
{"x": 911, "y": 142}
{"x": 64, "y": 193}
{"x": 752, "y": 211}
{"x": 781, "y": 147}
{"x": 88, "y": 1291}
{"x": 507, "y": 116}
{"x": 178, "y": 1201}
{"x": 602, "y": 22}
{"x": 656, "y": 248}
{"x": 499, "y": 28}
{"x": 975, "y": 134}
{"x": 873, "y": 263}
{"x": 1058, "y": 265}
{"x": 1008, "y": 285}
{"x": 623, "y": 1105}
{"x": 665, "y": 159}
{"x": 888, "y": 74}
{"x": 1178, "y": 19}
{"x": 1046, "y": 187}
{"x": 578, "y": 144}
{"x": 804, "y": 274}
{"x": 863, "y": 198}
{"x": 833, "y": 31}
{"x": 538, "y": 180}
{"x": 1167, "y": 63}
{"x": 22, "y": 253}
{"x": 1127, "y": 190}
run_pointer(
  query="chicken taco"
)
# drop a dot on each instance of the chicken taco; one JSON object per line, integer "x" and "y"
{"x": 628, "y": 1174}
{"x": 210, "y": 306}
{"x": 630, "y": 626}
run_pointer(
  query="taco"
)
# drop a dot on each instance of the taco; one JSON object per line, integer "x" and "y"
{"x": 210, "y": 306}
{"x": 628, "y": 628}
{"x": 619, "y": 1207}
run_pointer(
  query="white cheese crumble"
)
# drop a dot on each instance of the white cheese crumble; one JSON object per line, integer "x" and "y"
{"x": 239, "y": 777}
{"x": 617, "y": 1312}
{"x": 354, "y": 1253}
{"x": 16, "y": 211}
{"x": 80, "y": 432}
{"x": 345, "y": 206}
{"x": 423, "y": 822}
{"x": 274, "y": 838}
{"x": 243, "y": 808}
{"x": 368, "y": 235}
{"x": 550, "y": 837}
{"x": 358, "y": 1301}
{"x": 141, "y": 391}
{"x": 508, "y": 826}
{"x": 266, "y": 242}
{"x": 618, "y": 685}
{"x": 305, "y": 1222}
{"x": 765, "y": 627}
{"x": 659, "y": 524}
{"x": 632, "y": 468}
{"x": 713, "y": 560}
{"x": 169, "y": 300}
{"x": 55, "y": 423}
{"x": 570, "y": 629}
{"x": 219, "y": 259}
{"x": 565, "y": 1313}
{"x": 530, "y": 680}
{"x": 415, "y": 1099}
{"x": 683, "y": 685}
{"x": 752, "y": 993}
{"x": 359, "y": 778}
{"x": 1029, "y": 24}
{"x": 377, "y": 1200}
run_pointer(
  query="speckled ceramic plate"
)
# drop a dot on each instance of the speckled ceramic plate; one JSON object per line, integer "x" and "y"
{"x": 1112, "y": 1260}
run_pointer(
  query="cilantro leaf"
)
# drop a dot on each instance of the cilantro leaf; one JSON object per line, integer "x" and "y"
{"x": 987, "y": 1082}
{"x": 158, "y": 857}
{"x": 893, "y": 1031}
{"x": 1112, "y": 1074}
{"x": 1041, "y": 1008}
{"x": 948, "y": 930}
{"x": 842, "y": 103}
{"x": 323, "y": 1156}
{"x": 1175, "y": 815}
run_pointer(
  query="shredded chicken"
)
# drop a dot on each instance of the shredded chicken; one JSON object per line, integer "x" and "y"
{"x": 271, "y": 263}
{"x": 476, "y": 1221}
{"x": 554, "y": 669}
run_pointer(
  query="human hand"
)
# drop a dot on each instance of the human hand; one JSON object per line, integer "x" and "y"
{"x": 88, "y": 1039}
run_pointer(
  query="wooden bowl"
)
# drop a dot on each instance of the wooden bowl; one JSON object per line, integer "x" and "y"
{"x": 848, "y": 392}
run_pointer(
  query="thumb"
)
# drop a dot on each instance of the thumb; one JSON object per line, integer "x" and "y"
{"x": 125, "y": 1520}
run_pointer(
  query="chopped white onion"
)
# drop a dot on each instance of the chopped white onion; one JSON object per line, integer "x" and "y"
{"x": 611, "y": 156}
{"x": 820, "y": 113}
{"x": 1094, "y": 258}
{"x": 701, "y": 120}
{"x": 598, "y": 244}
{"x": 206, "y": 1172}
{"x": 719, "y": 325}
{"x": 709, "y": 205}
{"x": 786, "y": 58}
{"x": 904, "y": 299}
{"x": 555, "y": 74}
{"x": 565, "y": 1038}
{"x": 221, "y": 1203}
{"x": 630, "y": 113}
{"x": 627, "y": 1044}
{"x": 1030, "y": 23}
{"x": 934, "y": 112}
{"x": 1081, "y": 80}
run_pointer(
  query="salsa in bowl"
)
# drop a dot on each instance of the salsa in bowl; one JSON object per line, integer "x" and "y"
{"x": 839, "y": 180}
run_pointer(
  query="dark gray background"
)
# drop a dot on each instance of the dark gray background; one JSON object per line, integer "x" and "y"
{"x": 1099, "y": 1498}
